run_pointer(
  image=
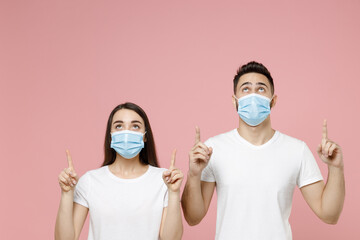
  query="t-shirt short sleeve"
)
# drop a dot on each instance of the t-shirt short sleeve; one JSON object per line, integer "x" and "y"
{"x": 82, "y": 190}
{"x": 164, "y": 189}
{"x": 166, "y": 199}
{"x": 309, "y": 170}
{"x": 207, "y": 174}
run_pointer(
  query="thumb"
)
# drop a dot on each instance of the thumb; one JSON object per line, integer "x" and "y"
{"x": 165, "y": 176}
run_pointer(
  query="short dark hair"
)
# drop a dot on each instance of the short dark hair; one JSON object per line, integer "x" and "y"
{"x": 147, "y": 154}
{"x": 253, "y": 67}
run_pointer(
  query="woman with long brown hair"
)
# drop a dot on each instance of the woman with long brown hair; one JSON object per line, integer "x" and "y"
{"x": 129, "y": 197}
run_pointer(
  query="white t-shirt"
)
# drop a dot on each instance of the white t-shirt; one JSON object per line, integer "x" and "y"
{"x": 255, "y": 184}
{"x": 123, "y": 208}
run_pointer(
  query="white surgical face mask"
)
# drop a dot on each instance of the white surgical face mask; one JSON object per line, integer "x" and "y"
{"x": 253, "y": 108}
{"x": 127, "y": 143}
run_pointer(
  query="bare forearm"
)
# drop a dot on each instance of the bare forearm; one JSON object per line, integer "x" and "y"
{"x": 333, "y": 195}
{"x": 173, "y": 227}
{"x": 192, "y": 201}
{"x": 64, "y": 227}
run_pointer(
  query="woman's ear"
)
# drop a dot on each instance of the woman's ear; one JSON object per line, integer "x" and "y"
{"x": 144, "y": 137}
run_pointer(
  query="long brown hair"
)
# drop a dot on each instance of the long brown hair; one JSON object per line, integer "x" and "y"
{"x": 147, "y": 154}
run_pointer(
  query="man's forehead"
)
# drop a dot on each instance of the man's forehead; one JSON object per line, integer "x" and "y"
{"x": 253, "y": 78}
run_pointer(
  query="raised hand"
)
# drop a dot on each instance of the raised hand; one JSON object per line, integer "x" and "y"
{"x": 173, "y": 177}
{"x": 68, "y": 178}
{"x": 199, "y": 155}
{"x": 329, "y": 151}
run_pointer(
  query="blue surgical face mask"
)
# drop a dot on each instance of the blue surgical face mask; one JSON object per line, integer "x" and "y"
{"x": 127, "y": 143}
{"x": 254, "y": 108}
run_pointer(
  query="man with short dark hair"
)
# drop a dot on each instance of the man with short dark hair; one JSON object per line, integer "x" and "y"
{"x": 256, "y": 168}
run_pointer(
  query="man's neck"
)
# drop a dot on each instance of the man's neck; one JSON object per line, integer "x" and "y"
{"x": 257, "y": 135}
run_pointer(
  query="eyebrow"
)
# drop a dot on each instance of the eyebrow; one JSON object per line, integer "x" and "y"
{"x": 134, "y": 121}
{"x": 258, "y": 83}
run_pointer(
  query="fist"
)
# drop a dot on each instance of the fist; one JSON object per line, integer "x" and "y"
{"x": 328, "y": 151}
{"x": 173, "y": 177}
{"x": 199, "y": 155}
{"x": 68, "y": 177}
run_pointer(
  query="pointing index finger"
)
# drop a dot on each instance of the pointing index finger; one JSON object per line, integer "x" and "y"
{"x": 197, "y": 135}
{"x": 173, "y": 156}
{"x": 324, "y": 130}
{"x": 69, "y": 159}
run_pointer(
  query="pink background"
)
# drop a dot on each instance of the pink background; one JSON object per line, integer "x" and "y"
{"x": 64, "y": 65}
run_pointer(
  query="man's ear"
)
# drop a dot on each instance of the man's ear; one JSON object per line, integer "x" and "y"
{"x": 235, "y": 102}
{"x": 273, "y": 101}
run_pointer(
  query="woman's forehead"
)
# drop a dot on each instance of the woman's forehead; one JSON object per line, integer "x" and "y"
{"x": 127, "y": 115}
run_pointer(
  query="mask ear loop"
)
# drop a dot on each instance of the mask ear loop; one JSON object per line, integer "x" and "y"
{"x": 271, "y": 100}
{"x": 237, "y": 102}
{"x": 144, "y": 137}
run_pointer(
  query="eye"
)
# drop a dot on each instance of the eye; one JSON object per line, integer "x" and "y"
{"x": 261, "y": 89}
{"x": 136, "y": 126}
{"x": 245, "y": 89}
{"x": 118, "y": 126}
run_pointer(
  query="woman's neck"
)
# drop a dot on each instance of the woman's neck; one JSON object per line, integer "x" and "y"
{"x": 127, "y": 168}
